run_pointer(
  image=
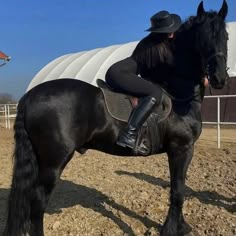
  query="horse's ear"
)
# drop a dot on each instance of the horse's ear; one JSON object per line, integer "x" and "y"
{"x": 224, "y": 10}
{"x": 200, "y": 9}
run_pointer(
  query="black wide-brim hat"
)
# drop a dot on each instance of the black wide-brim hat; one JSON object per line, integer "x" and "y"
{"x": 164, "y": 22}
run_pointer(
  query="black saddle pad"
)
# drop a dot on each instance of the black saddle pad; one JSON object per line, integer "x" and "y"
{"x": 120, "y": 107}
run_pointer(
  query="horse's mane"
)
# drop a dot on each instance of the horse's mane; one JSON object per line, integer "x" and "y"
{"x": 214, "y": 24}
{"x": 193, "y": 34}
{"x": 155, "y": 48}
{"x": 152, "y": 50}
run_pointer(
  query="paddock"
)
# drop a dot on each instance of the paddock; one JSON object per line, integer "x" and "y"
{"x": 104, "y": 195}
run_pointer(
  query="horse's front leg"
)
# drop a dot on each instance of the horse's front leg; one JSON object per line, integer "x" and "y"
{"x": 179, "y": 158}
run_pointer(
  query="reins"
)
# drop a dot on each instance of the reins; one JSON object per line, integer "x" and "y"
{"x": 187, "y": 99}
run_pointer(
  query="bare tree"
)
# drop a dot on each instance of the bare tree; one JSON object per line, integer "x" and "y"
{"x": 6, "y": 98}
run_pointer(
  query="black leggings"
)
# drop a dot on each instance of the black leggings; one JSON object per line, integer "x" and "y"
{"x": 122, "y": 77}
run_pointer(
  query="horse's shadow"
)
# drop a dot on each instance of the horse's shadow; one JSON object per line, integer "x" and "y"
{"x": 206, "y": 197}
{"x": 75, "y": 194}
{"x": 4, "y": 192}
{"x": 68, "y": 194}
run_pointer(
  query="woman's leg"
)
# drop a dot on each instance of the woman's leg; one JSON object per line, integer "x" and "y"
{"x": 128, "y": 136}
{"x": 123, "y": 78}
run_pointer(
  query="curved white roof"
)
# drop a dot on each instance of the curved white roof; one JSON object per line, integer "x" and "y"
{"x": 231, "y": 28}
{"x": 87, "y": 66}
{"x": 91, "y": 65}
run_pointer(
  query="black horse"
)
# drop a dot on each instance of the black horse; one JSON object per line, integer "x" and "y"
{"x": 59, "y": 117}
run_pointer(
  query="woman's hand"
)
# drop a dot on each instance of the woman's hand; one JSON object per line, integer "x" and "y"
{"x": 205, "y": 81}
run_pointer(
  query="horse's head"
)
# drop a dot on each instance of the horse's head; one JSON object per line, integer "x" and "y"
{"x": 211, "y": 43}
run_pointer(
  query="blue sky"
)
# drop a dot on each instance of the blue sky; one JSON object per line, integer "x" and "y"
{"x": 34, "y": 32}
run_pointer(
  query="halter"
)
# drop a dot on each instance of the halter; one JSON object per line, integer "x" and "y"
{"x": 221, "y": 54}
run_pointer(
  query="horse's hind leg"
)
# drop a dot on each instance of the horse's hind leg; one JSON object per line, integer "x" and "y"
{"x": 179, "y": 159}
{"x": 47, "y": 181}
{"x": 52, "y": 161}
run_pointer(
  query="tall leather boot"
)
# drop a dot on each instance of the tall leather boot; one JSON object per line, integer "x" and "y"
{"x": 139, "y": 115}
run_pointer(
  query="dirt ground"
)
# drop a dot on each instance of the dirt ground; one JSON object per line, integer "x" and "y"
{"x": 103, "y": 195}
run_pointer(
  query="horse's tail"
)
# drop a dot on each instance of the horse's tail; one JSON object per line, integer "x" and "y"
{"x": 25, "y": 176}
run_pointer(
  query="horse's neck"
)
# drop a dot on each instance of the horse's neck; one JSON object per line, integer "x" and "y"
{"x": 191, "y": 108}
{"x": 186, "y": 60}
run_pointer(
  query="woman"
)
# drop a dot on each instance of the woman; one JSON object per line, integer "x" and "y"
{"x": 151, "y": 57}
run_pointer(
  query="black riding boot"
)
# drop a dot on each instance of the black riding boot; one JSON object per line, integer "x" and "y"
{"x": 139, "y": 115}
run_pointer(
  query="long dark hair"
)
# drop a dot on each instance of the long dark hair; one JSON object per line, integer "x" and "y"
{"x": 153, "y": 50}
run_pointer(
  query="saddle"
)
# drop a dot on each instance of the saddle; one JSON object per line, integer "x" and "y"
{"x": 120, "y": 107}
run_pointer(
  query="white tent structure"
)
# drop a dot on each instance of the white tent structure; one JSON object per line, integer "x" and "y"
{"x": 231, "y": 28}
{"x": 90, "y": 65}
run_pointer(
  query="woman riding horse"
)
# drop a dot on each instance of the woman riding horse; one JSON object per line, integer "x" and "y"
{"x": 59, "y": 117}
{"x": 152, "y": 57}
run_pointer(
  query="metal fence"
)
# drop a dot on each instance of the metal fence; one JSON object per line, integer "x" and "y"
{"x": 8, "y": 114}
{"x": 218, "y": 123}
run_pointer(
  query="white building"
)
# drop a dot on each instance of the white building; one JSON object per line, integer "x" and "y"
{"x": 91, "y": 65}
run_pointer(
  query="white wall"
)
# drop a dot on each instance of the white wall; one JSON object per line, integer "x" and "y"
{"x": 91, "y": 65}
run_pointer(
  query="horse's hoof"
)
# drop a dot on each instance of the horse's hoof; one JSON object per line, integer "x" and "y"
{"x": 184, "y": 231}
{"x": 186, "y": 228}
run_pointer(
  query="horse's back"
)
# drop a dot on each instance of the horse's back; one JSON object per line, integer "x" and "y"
{"x": 60, "y": 96}
{"x": 58, "y": 110}
{"x": 61, "y": 88}
{"x": 60, "y": 92}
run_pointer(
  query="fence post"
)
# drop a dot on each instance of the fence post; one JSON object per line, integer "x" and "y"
{"x": 218, "y": 122}
{"x": 5, "y": 113}
{"x": 8, "y": 116}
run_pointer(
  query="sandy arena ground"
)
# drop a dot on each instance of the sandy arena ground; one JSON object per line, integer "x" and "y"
{"x": 103, "y": 195}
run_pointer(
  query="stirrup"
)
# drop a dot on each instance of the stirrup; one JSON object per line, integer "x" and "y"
{"x": 124, "y": 144}
{"x": 141, "y": 149}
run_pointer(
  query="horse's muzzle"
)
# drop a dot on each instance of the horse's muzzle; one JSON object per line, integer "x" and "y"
{"x": 217, "y": 82}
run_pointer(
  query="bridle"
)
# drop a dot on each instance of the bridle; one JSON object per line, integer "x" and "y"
{"x": 197, "y": 91}
{"x": 217, "y": 54}
{"x": 221, "y": 54}
{"x": 206, "y": 71}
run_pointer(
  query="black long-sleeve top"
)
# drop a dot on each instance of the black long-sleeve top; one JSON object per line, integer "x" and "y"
{"x": 154, "y": 56}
